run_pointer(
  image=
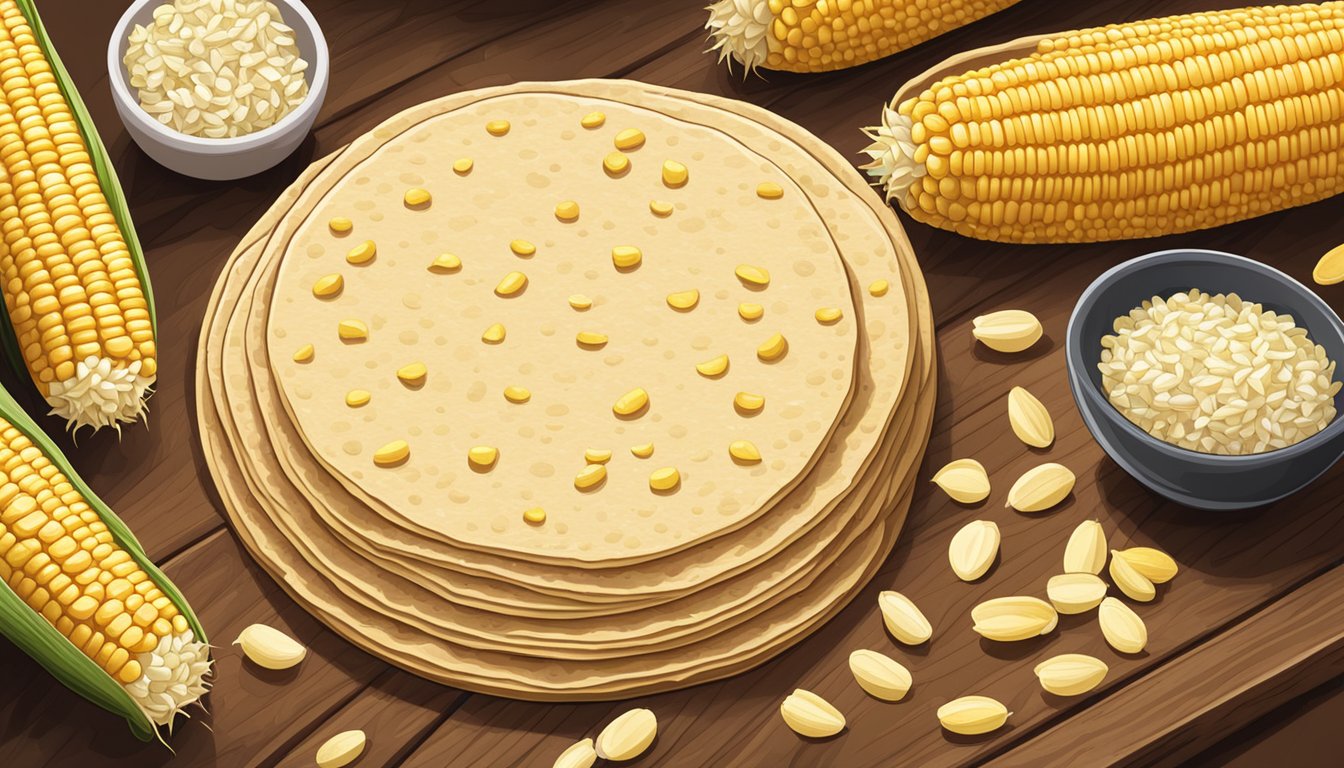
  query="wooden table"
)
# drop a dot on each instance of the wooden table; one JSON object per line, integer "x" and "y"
{"x": 1255, "y": 619}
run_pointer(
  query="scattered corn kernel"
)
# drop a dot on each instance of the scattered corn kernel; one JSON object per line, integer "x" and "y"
{"x": 482, "y": 456}
{"x": 357, "y": 398}
{"x": 597, "y": 456}
{"x": 674, "y": 173}
{"x": 415, "y": 197}
{"x": 494, "y": 334}
{"x": 340, "y": 225}
{"x": 580, "y": 302}
{"x": 511, "y": 284}
{"x": 590, "y": 476}
{"x": 497, "y": 127}
{"x": 879, "y": 287}
{"x": 749, "y": 311}
{"x": 828, "y": 315}
{"x": 773, "y": 348}
{"x": 615, "y": 163}
{"x": 631, "y": 402}
{"x": 445, "y": 262}
{"x": 683, "y": 299}
{"x": 522, "y": 248}
{"x": 392, "y": 453}
{"x": 462, "y": 166}
{"x": 626, "y": 256}
{"x": 752, "y": 276}
{"x": 412, "y": 373}
{"x": 591, "y": 339}
{"x": 746, "y": 401}
{"x": 304, "y": 354}
{"x": 362, "y": 253}
{"x": 642, "y": 451}
{"x": 535, "y": 515}
{"x": 769, "y": 190}
{"x": 352, "y": 330}
{"x": 567, "y": 210}
{"x": 664, "y": 479}
{"x": 744, "y": 451}
{"x": 660, "y": 208}
{"x": 713, "y": 367}
{"x": 517, "y": 394}
{"x": 593, "y": 120}
{"x": 630, "y": 138}
{"x": 328, "y": 285}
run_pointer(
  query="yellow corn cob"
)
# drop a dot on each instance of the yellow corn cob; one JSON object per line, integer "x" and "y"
{"x": 821, "y": 35}
{"x": 1126, "y": 131}
{"x": 59, "y": 557}
{"x": 75, "y": 300}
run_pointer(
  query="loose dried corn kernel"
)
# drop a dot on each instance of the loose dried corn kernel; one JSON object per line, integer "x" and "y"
{"x": 535, "y": 515}
{"x": 660, "y": 208}
{"x": 642, "y": 451}
{"x": 392, "y": 453}
{"x": 744, "y": 451}
{"x": 362, "y": 253}
{"x": 497, "y": 127}
{"x": 879, "y": 287}
{"x": 412, "y": 373}
{"x": 462, "y": 166}
{"x": 445, "y": 262}
{"x": 352, "y": 330}
{"x": 593, "y": 120}
{"x": 828, "y": 315}
{"x": 626, "y": 256}
{"x": 357, "y": 398}
{"x": 304, "y": 354}
{"x": 591, "y": 339}
{"x": 615, "y": 163}
{"x": 674, "y": 174}
{"x": 567, "y": 210}
{"x": 415, "y": 197}
{"x": 328, "y": 285}
{"x": 769, "y": 190}
{"x": 712, "y": 367}
{"x": 597, "y": 456}
{"x": 590, "y": 476}
{"x": 749, "y": 311}
{"x": 522, "y": 248}
{"x": 664, "y": 479}
{"x": 683, "y": 299}
{"x": 517, "y": 394}
{"x": 630, "y": 138}
{"x": 511, "y": 284}
{"x": 773, "y": 348}
{"x": 752, "y": 276}
{"x": 746, "y": 401}
{"x": 494, "y": 334}
{"x": 631, "y": 402}
{"x": 482, "y": 456}
{"x": 580, "y": 302}
{"x": 340, "y": 225}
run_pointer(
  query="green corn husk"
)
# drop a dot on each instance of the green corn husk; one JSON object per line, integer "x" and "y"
{"x": 39, "y": 639}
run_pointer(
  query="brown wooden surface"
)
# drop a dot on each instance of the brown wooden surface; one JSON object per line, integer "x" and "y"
{"x": 1253, "y": 621}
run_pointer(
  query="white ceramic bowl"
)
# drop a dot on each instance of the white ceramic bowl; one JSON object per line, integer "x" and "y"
{"x": 229, "y": 158}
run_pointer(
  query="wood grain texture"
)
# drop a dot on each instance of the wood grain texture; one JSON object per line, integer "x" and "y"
{"x": 1242, "y": 573}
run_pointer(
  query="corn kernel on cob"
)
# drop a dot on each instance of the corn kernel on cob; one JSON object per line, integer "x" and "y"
{"x": 1125, "y": 131}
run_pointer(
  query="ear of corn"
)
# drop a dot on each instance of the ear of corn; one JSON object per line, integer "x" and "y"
{"x": 822, "y": 35}
{"x": 76, "y": 291}
{"x": 1126, "y": 131}
{"x": 79, "y": 594}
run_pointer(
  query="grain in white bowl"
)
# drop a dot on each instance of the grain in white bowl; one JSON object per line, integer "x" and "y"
{"x": 216, "y": 68}
{"x": 1217, "y": 374}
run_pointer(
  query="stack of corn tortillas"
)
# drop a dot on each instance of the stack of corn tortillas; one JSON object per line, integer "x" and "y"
{"x": 600, "y": 389}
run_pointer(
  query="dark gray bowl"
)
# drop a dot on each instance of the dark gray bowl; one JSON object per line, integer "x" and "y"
{"x": 1197, "y": 479}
